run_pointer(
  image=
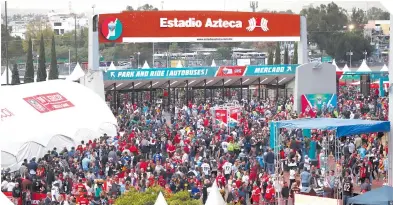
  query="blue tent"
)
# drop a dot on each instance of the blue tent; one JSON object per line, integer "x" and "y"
{"x": 343, "y": 127}
{"x": 380, "y": 196}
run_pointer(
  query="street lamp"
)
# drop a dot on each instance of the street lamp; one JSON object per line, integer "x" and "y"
{"x": 350, "y": 54}
{"x": 365, "y": 54}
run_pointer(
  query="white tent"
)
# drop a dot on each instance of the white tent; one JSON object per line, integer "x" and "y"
{"x": 76, "y": 74}
{"x": 3, "y": 78}
{"x": 179, "y": 65}
{"x": 335, "y": 65}
{"x": 112, "y": 66}
{"x": 160, "y": 200}
{"x": 215, "y": 197}
{"x": 384, "y": 68}
{"x": 145, "y": 65}
{"x": 364, "y": 67}
{"x": 346, "y": 69}
{"x": 213, "y": 63}
{"x": 39, "y": 116}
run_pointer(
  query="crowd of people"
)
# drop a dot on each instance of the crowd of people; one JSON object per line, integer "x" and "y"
{"x": 182, "y": 148}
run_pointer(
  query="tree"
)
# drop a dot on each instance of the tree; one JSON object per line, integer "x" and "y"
{"x": 15, "y": 75}
{"x": 286, "y": 55}
{"x": 358, "y": 19}
{"x": 134, "y": 197}
{"x": 53, "y": 71}
{"x": 29, "y": 73}
{"x": 295, "y": 54}
{"x": 375, "y": 13}
{"x": 323, "y": 22}
{"x": 129, "y": 8}
{"x": 41, "y": 71}
{"x": 147, "y": 7}
{"x": 34, "y": 30}
{"x": 270, "y": 59}
{"x": 277, "y": 59}
{"x": 350, "y": 41}
{"x": 174, "y": 47}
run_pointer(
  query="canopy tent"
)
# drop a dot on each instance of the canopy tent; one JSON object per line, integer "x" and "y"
{"x": 3, "y": 77}
{"x": 37, "y": 117}
{"x": 384, "y": 68}
{"x": 346, "y": 69}
{"x": 335, "y": 65}
{"x": 343, "y": 127}
{"x": 213, "y": 63}
{"x": 215, "y": 197}
{"x": 179, "y": 65}
{"x": 160, "y": 200}
{"x": 112, "y": 66}
{"x": 379, "y": 196}
{"x": 145, "y": 65}
{"x": 364, "y": 67}
{"x": 76, "y": 74}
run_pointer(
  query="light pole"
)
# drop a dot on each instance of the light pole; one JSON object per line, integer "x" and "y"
{"x": 350, "y": 53}
{"x": 365, "y": 54}
{"x": 69, "y": 61}
{"x": 139, "y": 53}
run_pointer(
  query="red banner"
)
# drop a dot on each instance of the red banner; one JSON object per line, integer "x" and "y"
{"x": 221, "y": 116}
{"x": 203, "y": 26}
{"x": 48, "y": 102}
{"x": 234, "y": 113}
{"x": 231, "y": 71}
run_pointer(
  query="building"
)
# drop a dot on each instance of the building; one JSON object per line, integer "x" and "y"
{"x": 18, "y": 28}
{"x": 64, "y": 23}
{"x": 379, "y": 33}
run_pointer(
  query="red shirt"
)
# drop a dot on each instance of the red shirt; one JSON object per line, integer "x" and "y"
{"x": 171, "y": 148}
{"x": 143, "y": 165}
{"x": 134, "y": 149}
{"x": 269, "y": 192}
{"x": 83, "y": 201}
{"x": 256, "y": 193}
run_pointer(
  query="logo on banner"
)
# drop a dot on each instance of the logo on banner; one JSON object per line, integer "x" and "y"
{"x": 254, "y": 23}
{"x": 48, "y": 102}
{"x": 231, "y": 71}
{"x": 111, "y": 28}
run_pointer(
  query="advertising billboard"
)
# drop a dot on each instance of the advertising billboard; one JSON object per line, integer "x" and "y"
{"x": 197, "y": 26}
{"x": 312, "y": 103}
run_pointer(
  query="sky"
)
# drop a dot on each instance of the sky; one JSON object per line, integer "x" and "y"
{"x": 104, "y": 6}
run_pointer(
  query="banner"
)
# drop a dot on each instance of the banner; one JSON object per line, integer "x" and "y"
{"x": 312, "y": 103}
{"x": 234, "y": 116}
{"x": 160, "y": 74}
{"x": 221, "y": 116}
{"x": 197, "y": 26}
{"x": 48, "y": 102}
{"x": 35, "y": 197}
{"x": 270, "y": 70}
{"x": 231, "y": 71}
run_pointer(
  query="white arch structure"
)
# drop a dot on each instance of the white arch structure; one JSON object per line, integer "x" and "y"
{"x": 26, "y": 132}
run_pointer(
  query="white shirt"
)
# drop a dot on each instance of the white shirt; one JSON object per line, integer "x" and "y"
{"x": 292, "y": 174}
{"x": 227, "y": 167}
{"x": 206, "y": 168}
{"x": 185, "y": 157}
{"x": 224, "y": 146}
{"x": 10, "y": 186}
{"x": 4, "y": 184}
{"x": 245, "y": 179}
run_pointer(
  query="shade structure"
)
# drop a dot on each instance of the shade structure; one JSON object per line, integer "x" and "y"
{"x": 160, "y": 200}
{"x": 346, "y": 69}
{"x": 343, "y": 127}
{"x": 335, "y": 65}
{"x": 364, "y": 67}
{"x": 179, "y": 65}
{"x": 379, "y": 196}
{"x": 112, "y": 66}
{"x": 3, "y": 77}
{"x": 215, "y": 197}
{"x": 39, "y": 116}
{"x": 213, "y": 63}
{"x": 145, "y": 65}
{"x": 76, "y": 74}
{"x": 384, "y": 68}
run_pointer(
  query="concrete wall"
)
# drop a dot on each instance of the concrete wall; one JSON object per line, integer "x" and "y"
{"x": 314, "y": 78}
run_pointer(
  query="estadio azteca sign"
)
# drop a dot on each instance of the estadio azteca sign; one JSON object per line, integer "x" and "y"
{"x": 202, "y": 26}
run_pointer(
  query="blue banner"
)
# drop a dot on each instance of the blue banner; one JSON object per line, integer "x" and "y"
{"x": 158, "y": 74}
{"x": 270, "y": 70}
